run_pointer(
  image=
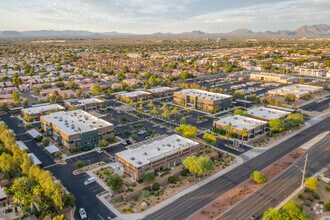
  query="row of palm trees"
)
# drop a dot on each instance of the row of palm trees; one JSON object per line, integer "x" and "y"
{"x": 229, "y": 130}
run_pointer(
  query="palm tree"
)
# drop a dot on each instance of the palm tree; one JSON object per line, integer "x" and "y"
{"x": 141, "y": 107}
{"x": 151, "y": 104}
{"x": 243, "y": 133}
{"x": 228, "y": 128}
{"x": 175, "y": 111}
{"x": 164, "y": 107}
{"x": 166, "y": 114}
{"x": 154, "y": 111}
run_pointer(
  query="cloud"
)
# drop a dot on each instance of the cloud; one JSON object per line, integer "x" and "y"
{"x": 148, "y": 16}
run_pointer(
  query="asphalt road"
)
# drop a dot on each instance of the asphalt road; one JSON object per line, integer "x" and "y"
{"x": 271, "y": 194}
{"x": 317, "y": 106}
{"x": 185, "y": 206}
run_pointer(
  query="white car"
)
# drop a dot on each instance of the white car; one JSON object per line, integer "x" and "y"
{"x": 98, "y": 150}
{"x": 141, "y": 132}
{"x": 82, "y": 213}
{"x": 89, "y": 181}
{"x": 123, "y": 143}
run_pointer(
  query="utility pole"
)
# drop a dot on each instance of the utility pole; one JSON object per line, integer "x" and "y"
{"x": 303, "y": 173}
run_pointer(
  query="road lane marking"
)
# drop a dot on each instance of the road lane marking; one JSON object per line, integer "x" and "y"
{"x": 100, "y": 216}
{"x": 50, "y": 165}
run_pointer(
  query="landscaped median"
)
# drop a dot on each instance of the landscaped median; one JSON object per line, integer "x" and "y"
{"x": 135, "y": 197}
{"x": 237, "y": 194}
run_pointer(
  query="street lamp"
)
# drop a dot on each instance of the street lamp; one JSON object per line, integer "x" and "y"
{"x": 303, "y": 173}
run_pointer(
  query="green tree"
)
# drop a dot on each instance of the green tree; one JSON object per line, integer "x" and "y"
{"x": 175, "y": 111}
{"x": 45, "y": 141}
{"x": 210, "y": 138}
{"x": 146, "y": 194}
{"x": 96, "y": 89}
{"x": 311, "y": 183}
{"x": 183, "y": 121}
{"x": 187, "y": 131}
{"x": 25, "y": 102}
{"x": 79, "y": 164}
{"x": 294, "y": 211}
{"x": 36, "y": 91}
{"x": 115, "y": 182}
{"x": 274, "y": 214}
{"x": 154, "y": 111}
{"x": 256, "y": 176}
{"x": 58, "y": 154}
{"x": 228, "y": 129}
{"x": 198, "y": 165}
{"x": 290, "y": 97}
{"x": 127, "y": 133}
{"x": 15, "y": 96}
{"x": 243, "y": 134}
{"x": 240, "y": 112}
{"x": 277, "y": 125}
{"x": 149, "y": 177}
{"x": 301, "y": 81}
{"x": 28, "y": 118}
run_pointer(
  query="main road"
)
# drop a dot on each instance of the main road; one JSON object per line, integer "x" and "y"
{"x": 185, "y": 206}
{"x": 284, "y": 184}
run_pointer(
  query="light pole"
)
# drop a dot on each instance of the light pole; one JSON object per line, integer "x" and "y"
{"x": 303, "y": 173}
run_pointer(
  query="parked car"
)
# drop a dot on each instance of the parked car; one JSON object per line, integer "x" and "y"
{"x": 98, "y": 150}
{"x": 89, "y": 181}
{"x": 142, "y": 132}
{"x": 123, "y": 142}
{"x": 162, "y": 127}
{"x": 112, "y": 158}
{"x": 128, "y": 142}
{"x": 82, "y": 213}
{"x": 255, "y": 216}
{"x": 146, "y": 111}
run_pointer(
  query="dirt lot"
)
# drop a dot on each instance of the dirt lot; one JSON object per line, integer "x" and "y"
{"x": 234, "y": 196}
{"x": 324, "y": 197}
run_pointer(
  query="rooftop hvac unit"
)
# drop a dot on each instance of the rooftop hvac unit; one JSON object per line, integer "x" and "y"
{"x": 139, "y": 162}
{"x": 144, "y": 153}
{"x": 132, "y": 158}
{"x": 157, "y": 149}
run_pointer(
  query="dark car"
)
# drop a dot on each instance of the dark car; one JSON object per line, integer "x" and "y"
{"x": 255, "y": 216}
{"x": 128, "y": 142}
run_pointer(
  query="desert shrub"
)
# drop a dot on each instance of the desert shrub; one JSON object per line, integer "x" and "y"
{"x": 310, "y": 198}
{"x": 307, "y": 190}
{"x": 301, "y": 196}
{"x": 316, "y": 196}
{"x": 156, "y": 193}
{"x": 327, "y": 205}
{"x": 156, "y": 186}
{"x": 183, "y": 173}
{"x": 308, "y": 203}
{"x": 136, "y": 197}
{"x": 327, "y": 188}
{"x": 171, "y": 179}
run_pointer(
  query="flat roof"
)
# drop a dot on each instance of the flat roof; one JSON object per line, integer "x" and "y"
{"x": 35, "y": 159}
{"x": 43, "y": 108}
{"x": 80, "y": 102}
{"x": 301, "y": 87}
{"x": 21, "y": 145}
{"x": 288, "y": 91}
{"x": 239, "y": 122}
{"x": 160, "y": 89}
{"x": 156, "y": 149}
{"x": 134, "y": 93}
{"x": 267, "y": 113}
{"x": 203, "y": 94}
{"x": 281, "y": 108}
{"x": 76, "y": 121}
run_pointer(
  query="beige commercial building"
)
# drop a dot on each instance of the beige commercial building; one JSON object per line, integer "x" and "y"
{"x": 38, "y": 111}
{"x": 238, "y": 123}
{"x": 135, "y": 96}
{"x": 267, "y": 114}
{"x": 270, "y": 77}
{"x": 76, "y": 128}
{"x": 299, "y": 90}
{"x": 204, "y": 100}
{"x": 156, "y": 155}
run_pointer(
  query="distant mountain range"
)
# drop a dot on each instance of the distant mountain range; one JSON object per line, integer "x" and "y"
{"x": 321, "y": 30}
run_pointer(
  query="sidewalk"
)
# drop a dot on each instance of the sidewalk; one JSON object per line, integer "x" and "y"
{"x": 173, "y": 198}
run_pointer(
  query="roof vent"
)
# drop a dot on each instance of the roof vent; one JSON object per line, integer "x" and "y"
{"x": 139, "y": 162}
{"x": 132, "y": 158}
{"x": 144, "y": 153}
{"x": 157, "y": 149}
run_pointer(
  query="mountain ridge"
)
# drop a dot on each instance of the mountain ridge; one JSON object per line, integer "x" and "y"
{"x": 305, "y": 30}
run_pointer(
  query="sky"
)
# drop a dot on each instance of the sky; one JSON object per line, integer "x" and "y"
{"x": 151, "y": 16}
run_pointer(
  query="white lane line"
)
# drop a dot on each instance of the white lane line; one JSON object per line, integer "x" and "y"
{"x": 100, "y": 216}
